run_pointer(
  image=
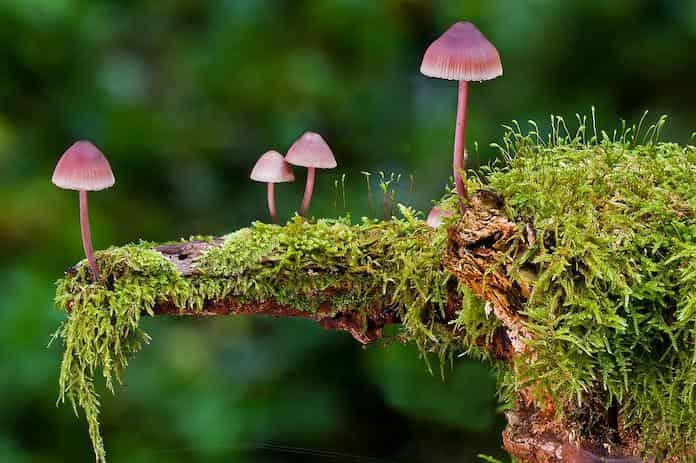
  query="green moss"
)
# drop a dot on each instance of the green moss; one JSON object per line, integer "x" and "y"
{"x": 613, "y": 312}
{"x": 395, "y": 263}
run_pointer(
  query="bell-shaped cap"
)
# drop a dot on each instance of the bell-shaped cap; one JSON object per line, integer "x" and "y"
{"x": 83, "y": 167}
{"x": 436, "y": 215}
{"x": 272, "y": 168}
{"x": 462, "y": 53}
{"x": 310, "y": 150}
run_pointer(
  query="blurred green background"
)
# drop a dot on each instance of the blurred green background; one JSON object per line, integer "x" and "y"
{"x": 182, "y": 96}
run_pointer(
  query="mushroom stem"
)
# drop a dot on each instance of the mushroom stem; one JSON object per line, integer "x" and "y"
{"x": 309, "y": 188}
{"x": 271, "y": 202}
{"x": 86, "y": 237}
{"x": 459, "y": 161}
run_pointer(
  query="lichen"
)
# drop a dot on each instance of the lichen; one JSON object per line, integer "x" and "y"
{"x": 394, "y": 264}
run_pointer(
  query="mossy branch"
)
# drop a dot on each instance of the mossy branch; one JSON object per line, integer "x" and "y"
{"x": 355, "y": 278}
{"x": 576, "y": 265}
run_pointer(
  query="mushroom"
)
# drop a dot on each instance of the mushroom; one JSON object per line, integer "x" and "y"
{"x": 272, "y": 168}
{"x": 462, "y": 53}
{"x": 312, "y": 152}
{"x": 84, "y": 168}
{"x": 436, "y": 215}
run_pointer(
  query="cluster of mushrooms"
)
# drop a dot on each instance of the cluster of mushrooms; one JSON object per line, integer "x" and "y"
{"x": 462, "y": 53}
{"x": 310, "y": 151}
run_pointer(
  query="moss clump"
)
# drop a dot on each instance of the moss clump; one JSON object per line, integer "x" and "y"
{"x": 395, "y": 264}
{"x": 102, "y": 330}
{"x": 613, "y": 313}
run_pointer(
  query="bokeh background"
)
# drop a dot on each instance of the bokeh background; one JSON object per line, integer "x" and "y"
{"x": 182, "y": 96}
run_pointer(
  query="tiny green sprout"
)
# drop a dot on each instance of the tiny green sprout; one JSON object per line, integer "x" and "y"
{"x": 370, "y": 196}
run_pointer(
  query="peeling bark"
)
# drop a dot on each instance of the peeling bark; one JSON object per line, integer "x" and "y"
{"x": 185, "y": 255}
{"x": 477, "y": 256}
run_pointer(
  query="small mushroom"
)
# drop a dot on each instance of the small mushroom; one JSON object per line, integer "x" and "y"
{"x": 84, "y": 168}
{"x": 462, "y": 53}
{"x": 312, "y": 152}
{"x": 272, "y": 168}
{"x": 436, "y": 215}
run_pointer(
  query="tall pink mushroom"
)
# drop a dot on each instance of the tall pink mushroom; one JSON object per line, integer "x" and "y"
{"x": 464, "y": 54}
{"x": 312, "y": 152}
{"x": 84, "y": 168}
{"x": 272, "y": 168}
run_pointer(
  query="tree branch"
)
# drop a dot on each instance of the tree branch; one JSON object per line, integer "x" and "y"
{"x": 365, "y": 325}
{"x": 482, "y": 247}
{"x": 364, "y": 329}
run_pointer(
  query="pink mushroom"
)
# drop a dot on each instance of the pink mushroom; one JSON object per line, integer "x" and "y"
{"x": 312, "y": 152}
{"x": 436, "y": 215}
{"x": 84, "y": 168}
{"x": 272, "y": 168}
{"x": 462, "y": 53}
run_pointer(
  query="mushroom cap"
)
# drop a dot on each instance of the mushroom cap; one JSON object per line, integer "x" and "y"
{"x": 310, "y": 150}
{"x": 272, "y": 168}
{"x": 436, "y": 215}
{"x": 462, "y": 53}
{"x": 83, "y": 167}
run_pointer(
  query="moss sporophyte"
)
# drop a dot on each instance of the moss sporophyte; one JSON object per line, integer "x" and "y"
{"x": 611, "y": 312}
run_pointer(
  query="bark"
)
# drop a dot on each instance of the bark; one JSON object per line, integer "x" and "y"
{"x": 476, "y": 242}
{"x": 365, "y": 326}
{"x": 481, "y": 248}
{"x": 351, "y": 322}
